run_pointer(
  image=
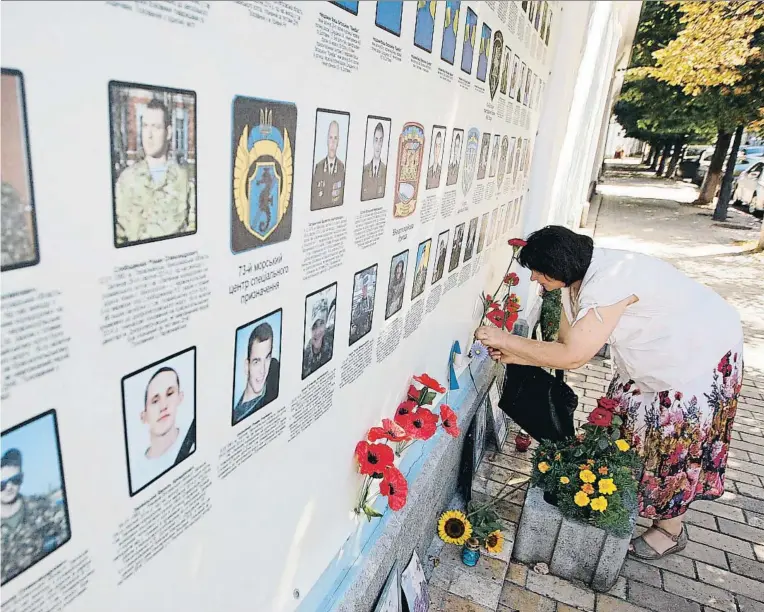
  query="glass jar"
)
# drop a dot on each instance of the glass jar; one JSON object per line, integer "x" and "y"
{"x": 471, "y": 552}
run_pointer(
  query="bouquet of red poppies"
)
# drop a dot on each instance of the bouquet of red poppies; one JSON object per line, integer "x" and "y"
{"x": 502, "y": 310}
{"x": 412, "y": 422}
{"x": 591, "y": 476}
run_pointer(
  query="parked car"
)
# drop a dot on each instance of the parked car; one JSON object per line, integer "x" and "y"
{"x": 742, "y": 164}
{"x": 749, "y": 188}
{"x": 704, "y": 161}
{"x": 689, "y": 164}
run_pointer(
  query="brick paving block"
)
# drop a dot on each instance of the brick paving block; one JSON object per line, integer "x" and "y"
{"x": 750, "y": 490}
{"x": 561, "y": 607}
{"x": 705, "y": 553}
{"x": 740, "y": 476}
{"x": 560, "y": 590}
{"x": 476, "y": 589}
{"x": 694, "y": 517}
{"x": 514, "y": 598}
{"x": 437, "y": 598}
{"x": 634, "y": 570}
{"x": 746, "y": 466}
{"x": 740, "y": 501}
{"x": 756, "y": 458}
{"x": 755, "y": 520}
{"x": 515, "y": 464}
{"x": 735, "y": 583}
{"x": 494, "y": 472}
{"x": 619, "y": 588}
{"x": 454, "y": 603}
{"x": 758, "y": 550}
{"x": 747, "y": 567}
{"x": 753, "y": 438}
{"x": 679, "y": 564}
{"x": 606, "y": 603}
{"x": 747, "y": 446}
{"x": 698, "y": 591}
{"x": 741, "y": 531}
{"x": 718, "y": 509}
{"x": 720, "y": 541}
{"x": 658, "y": 600}
{"x": 740, "y": 455}
{"x": 749, "y": 605}
{"x": 518, "y": 573}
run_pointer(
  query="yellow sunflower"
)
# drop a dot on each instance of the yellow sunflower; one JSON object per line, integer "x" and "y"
{"x": 494, "y": 542}
{"x": 600, "y": 503}
{"x": 454, "y": 528}
{"x": 622, "y": 445}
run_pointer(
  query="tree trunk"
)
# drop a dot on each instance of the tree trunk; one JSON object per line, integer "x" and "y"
{"x": 676, "y": 156}
{"x": 664, "y": 157}
{"x": 720, "y": 213}
{"x": 654, "y": 149}
{"x": 711, "y": 180}
{"x": 760, "y": 246}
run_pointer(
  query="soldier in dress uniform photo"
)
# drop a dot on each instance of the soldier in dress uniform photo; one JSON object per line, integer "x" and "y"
{"x": 153, "y": 136}
{"x": 329, "y": 154}
{"x": 469, "y": 245}
{"x": 396, "y": 284}
{"x": 436, "y": 157}
{"x": 257, "y": 369}
{"x": 375, "y": 158}
{"x": 455, "y": 158}
{"x": 33, "y": 504}
{"x": 318, "y": 342}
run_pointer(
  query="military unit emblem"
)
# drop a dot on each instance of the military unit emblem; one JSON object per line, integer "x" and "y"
{"x": 410, "y": 153}
{"x": 498, "y": 47}
{"x": 263, "y": 171}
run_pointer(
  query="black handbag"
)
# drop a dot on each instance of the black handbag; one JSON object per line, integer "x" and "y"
{"x": 539, "y": 402}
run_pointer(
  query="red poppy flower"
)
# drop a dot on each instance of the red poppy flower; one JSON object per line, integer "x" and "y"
{"x": 403, "y": 411}
{"x": 390, "y": 430}
{"x": 512, "y": 279}
{"x": 607, "y": 403}
{"x": 420, "y": 425}
{"x": 516, "y": 242}
{"x": 394, "y": 487}
{"x": 448, "y": 420}
{"x": 413, "y": 393}
{"x": 430, "y": 382}
{"x": 600, "y": 417}
{"x": 373, "y": 458}
{"x": 511, "y": 319}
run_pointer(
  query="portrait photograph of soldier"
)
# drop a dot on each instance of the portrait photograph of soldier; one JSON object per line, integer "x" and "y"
{"x": 375, "y": 158}
{"x": 520, "y": 81}
{"x": 421, "y": 266}
{"x": 362, "y": 307}
{"x": 440, "y": 256}
{"x": 35, "y": 515}
{"x": 469, "y": 245}
{"x": 396, "y": 284}
{"x": 159, "y": 415}
{"x": 435, "y": 164}
{"x": 263, "y": 149}
{"x": 18, "y": 224}
{"x": 502, "y": 160}
{"x": 455, "y": 157}
{"x": 505, "y": 70}
{"x": 482, "y": 233}
{"x": 329, "y": 155}
{"x": 318, "y": 341}
{"x": 513, "y": 80}
{"x": 153, "y": 161}
{"x": 485, "y": 145}
{"x": 494, "y": 156}
{"x": 456, "y": 247}
{"x": 257, "y": 366}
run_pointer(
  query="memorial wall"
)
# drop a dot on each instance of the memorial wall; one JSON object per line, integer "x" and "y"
{"x": 231, "y": 233}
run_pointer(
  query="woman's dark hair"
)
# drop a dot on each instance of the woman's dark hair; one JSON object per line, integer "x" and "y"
{"x": 558, "y": 253}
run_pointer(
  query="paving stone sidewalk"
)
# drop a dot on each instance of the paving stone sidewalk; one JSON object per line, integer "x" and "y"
{"x": 722, "y": 567}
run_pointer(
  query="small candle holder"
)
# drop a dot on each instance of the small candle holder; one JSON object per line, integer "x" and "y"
{"x": 471, "y": 552}
{"x": 522, "y": 441}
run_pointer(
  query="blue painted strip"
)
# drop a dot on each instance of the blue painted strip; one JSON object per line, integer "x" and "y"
{"x": 341, "y": 572}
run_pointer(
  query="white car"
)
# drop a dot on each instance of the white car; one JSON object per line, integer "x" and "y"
{"x": 749, "y": 188}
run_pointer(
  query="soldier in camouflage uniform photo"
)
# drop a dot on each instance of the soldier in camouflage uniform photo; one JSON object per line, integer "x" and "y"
{"x": 33, "y": 525}
{"x": 155, "y": 196}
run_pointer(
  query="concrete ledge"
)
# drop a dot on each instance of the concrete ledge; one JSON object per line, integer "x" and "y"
{"x": 572, "y": 550}
{"x": 414, "y": 527}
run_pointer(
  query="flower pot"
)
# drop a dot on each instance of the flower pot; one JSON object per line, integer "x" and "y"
{"x": 572, "y": 550}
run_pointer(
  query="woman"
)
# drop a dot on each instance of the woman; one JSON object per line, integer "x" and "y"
{"x": 677, "y": 349}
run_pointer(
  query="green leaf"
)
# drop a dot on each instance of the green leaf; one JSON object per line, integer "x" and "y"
{"x": 617, "y": 421}
{"x": 579, "y": 451}
{"x": 603, "y": 443}
{"x": 615, "y": 435}
{"x": 370, "y": 512}
{"x": 429, "y": 398}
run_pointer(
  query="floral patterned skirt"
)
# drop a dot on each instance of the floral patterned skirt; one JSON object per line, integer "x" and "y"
{"x": 682, "y": 436}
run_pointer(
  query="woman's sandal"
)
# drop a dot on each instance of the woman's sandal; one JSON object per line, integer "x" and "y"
{"x": 642, "y": 550}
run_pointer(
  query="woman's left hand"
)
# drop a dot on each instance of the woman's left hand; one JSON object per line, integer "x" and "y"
{"x": 492, "y": 337}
